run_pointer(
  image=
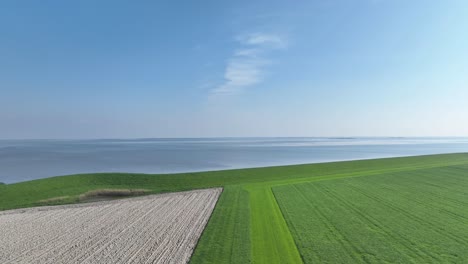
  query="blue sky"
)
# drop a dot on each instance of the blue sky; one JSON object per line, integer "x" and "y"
{"x": 107, "y": 69}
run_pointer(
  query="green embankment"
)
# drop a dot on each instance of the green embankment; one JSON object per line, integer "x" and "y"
{"x": 26, "y": 194}
{"x": 247, "y": 224}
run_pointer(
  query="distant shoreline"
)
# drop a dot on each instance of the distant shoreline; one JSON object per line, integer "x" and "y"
{"x": 25, "y": 160}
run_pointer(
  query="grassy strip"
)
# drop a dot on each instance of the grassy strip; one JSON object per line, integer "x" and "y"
{"x": 271, "y": 240}
{"x": 227, "y": 237}
{"x": 234, "y": 237}
{"x": 374, "y": 219}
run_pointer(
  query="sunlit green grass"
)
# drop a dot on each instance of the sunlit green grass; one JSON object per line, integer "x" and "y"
{"x": 247, "y": 224}
{"x": 404, "y": 217}
{"x": 26, "y": 194}
{"x": 227, "y": 238}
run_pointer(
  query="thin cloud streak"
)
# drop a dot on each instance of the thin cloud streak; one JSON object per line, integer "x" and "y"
{"x": 263, "y": 39}
{"x": 247, "y": 65}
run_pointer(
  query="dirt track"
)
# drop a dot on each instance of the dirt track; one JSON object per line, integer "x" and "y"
{"x": 152, "y": 229}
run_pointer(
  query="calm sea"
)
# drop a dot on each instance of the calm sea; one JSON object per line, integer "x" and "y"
{"x": 22, "y": 160}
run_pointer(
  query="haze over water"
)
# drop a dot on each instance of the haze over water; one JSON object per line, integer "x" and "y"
{"x": 22, "y": 160}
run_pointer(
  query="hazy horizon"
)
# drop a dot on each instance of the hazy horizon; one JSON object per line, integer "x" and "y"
{"x": 46, "y": 158}
{"x": 246, "y": 137}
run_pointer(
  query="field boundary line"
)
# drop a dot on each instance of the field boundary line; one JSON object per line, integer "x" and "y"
{"x": 206, "y": 225}
{"x": 350, "y": 175}
{"x": 267, "y": 246}
{"x": 282, "y": 214}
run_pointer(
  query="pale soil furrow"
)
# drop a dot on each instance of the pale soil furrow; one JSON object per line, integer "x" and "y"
{"x": 152, "y": 229}
{"x": 177, "y": 226}
{"x": 65, "y": 231}
{"x": 123, "y": 232}
{"x": 175, "y": 245}
{"x": 132, "y": 252}
{"x": 152, "y": 237}
{"x": 25, "y": 221}
{"x": 37, "y": 242}
{"x": 115, "y": 234}
{"x": 101, "y": 229}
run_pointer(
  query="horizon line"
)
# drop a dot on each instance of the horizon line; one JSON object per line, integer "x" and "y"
{"x": 234, "y": 137}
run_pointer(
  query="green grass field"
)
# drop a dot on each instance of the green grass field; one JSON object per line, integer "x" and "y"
{"x": 396, "y": 210}
{"x": 411, "y": 217}
{"x": 227, "y": 237}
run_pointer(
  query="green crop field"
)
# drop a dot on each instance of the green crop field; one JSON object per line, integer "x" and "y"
{"x": 411, "y": 217}
{"x": 371, "y": 211}
{"x": 227, "y": 237}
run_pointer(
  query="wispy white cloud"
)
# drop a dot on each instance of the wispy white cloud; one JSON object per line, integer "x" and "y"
{"x": 247, "y": 64}
{"x": 262, "y": 39}
{"x": 248, "y": 52}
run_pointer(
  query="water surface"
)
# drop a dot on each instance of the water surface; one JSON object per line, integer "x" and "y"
{"x": 22, "y": 160}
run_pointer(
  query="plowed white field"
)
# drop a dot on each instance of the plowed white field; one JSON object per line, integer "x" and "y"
{"x": 152, "y": 229}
